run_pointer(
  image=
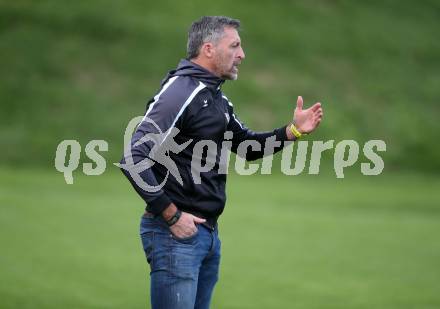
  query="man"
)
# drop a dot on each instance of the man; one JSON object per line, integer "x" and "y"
{"x": 179, "y": 228}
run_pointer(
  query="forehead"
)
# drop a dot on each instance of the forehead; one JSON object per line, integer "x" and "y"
{"x": 230, "y": 35}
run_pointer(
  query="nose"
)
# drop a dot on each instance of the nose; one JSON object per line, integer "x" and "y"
{"x": 241, "y": 54}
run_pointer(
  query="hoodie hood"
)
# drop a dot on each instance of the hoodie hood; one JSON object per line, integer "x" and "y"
{"x": 188, "y": 68}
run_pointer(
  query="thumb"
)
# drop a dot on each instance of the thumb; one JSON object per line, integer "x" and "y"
{"x": 198, "y": 220}
{"x": 299, "y": 103}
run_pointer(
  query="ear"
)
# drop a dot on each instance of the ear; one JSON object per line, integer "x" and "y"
{"x": 207, "y": 50}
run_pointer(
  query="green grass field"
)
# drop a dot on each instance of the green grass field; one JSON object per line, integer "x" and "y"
{"x": 81, "y": 70}
{"x": 288, "y": 242}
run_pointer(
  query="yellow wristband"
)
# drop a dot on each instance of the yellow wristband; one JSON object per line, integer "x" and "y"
{"x": 295, "y": 131}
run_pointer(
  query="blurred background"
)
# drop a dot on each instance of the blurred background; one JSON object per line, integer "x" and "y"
{"x": 83, "y": 69}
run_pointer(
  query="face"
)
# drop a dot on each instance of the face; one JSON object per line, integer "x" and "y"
{"x": 228, "y": 55}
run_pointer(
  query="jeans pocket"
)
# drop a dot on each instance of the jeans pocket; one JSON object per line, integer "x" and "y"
{"x": 190, "y": 240}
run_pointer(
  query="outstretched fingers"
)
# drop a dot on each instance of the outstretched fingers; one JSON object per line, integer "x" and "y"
{"x": 299, "y": 103}
{"x": 316, "y": 107}
{"x": 317, "y": 115}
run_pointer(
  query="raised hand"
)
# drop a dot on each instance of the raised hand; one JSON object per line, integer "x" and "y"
{"x": 307, "y": 120}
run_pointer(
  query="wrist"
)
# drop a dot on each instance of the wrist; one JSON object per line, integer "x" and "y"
{"x": 173, "y": 220}
{"x": 289, "y": 134}
{"x": 169, "y": 212}
{"x": 293, "y": 132}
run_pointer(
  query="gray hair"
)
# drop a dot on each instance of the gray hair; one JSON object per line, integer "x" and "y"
{"x": 207, "y": 29}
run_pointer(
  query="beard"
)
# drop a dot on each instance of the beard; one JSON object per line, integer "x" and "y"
{"x": 230, "y": 76}
{"x": 226, "y": 70}
{"x": 229, "y": 73}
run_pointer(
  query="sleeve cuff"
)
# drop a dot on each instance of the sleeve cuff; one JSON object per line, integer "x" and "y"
{"x": 280, "y": 133}
{"x": 159, "y": 204}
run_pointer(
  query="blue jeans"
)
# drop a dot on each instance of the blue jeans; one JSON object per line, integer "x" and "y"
{"x": 183, "y": 271}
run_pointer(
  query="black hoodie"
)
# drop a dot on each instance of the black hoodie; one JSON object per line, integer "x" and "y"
{"x": 190, "y": 99}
